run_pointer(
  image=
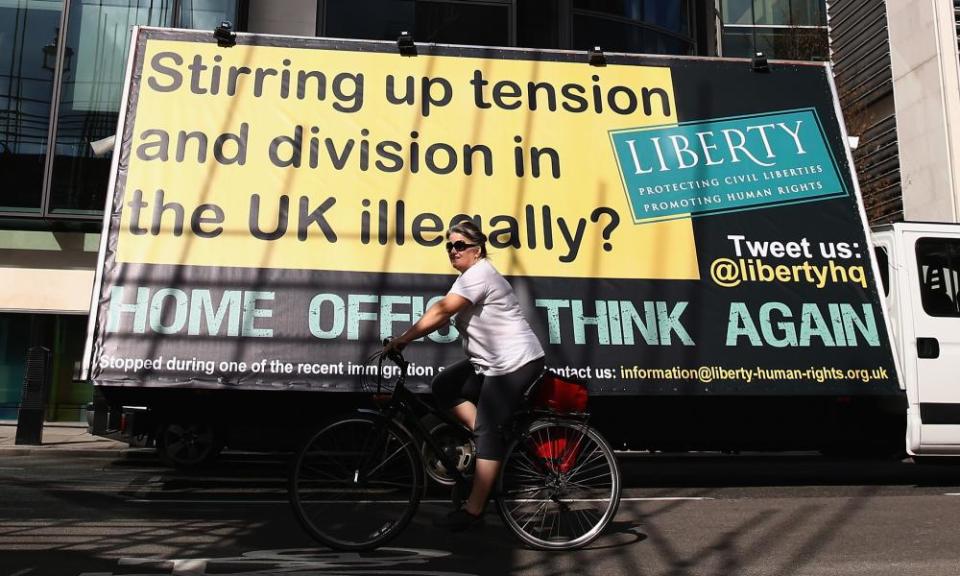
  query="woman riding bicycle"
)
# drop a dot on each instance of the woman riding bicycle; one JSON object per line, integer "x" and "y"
{"x": 503, "y": 357}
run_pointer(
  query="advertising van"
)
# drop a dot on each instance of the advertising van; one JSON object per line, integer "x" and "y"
{"x": 686, "y": 235}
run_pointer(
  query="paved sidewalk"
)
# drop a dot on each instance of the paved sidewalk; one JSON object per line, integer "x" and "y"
{"x": 57, "y": 436}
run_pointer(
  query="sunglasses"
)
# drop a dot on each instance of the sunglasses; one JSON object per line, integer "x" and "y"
{"x": 459, "y": 246}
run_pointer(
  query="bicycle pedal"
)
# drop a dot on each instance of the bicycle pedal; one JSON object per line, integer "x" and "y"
{"x": 382, "y": 530}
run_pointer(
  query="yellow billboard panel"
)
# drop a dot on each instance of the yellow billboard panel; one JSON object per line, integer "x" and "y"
{"x": 297, "y": 158}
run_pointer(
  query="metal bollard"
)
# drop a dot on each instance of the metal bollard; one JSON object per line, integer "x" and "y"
{"x": 36, "y": 384}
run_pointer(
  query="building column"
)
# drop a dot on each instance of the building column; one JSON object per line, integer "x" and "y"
{"x": 926, "y": 80}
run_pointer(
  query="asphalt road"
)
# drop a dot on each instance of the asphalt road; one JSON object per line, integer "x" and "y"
{"x": 785, "y": 515}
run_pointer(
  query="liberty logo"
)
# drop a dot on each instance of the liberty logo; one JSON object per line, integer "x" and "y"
{"x": 726, "y": 165}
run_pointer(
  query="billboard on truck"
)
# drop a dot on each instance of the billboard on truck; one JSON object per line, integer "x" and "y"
{"x": 671, "y": 225}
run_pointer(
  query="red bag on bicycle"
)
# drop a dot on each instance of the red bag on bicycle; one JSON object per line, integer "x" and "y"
{"x": 563, "y": 396}
{"x": 559, "y": 453}
{"x": 560, "y": 394}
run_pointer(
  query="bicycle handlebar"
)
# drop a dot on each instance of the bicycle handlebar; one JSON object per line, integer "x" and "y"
{"x": 395, "y": 355}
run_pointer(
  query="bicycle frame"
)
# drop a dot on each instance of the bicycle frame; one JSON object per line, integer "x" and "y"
{"x": 402, "y": 408}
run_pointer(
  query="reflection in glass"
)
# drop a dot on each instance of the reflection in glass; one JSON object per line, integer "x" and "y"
{"x": 538, "y": 24}
{"x": 27, "y": 28}
{"x": 669, "y": 14}
{"x": 658, "y": 43}
{"x": 786, "y": 29}
{"x": 99, "y": 33}
{"x": 611, "y": 35}
{"x": 738, "y": 42}
{"x": 371, "y": 20}
{"x": 737, "y": 12}
{"x": 441, "y": 22}
{"x": 632, "y": 9}
{"x": 619, "y": 36}
{"x": 206, "y": 14}
{"x": 792, "y": 43}
{"x": 771, "y": 12}
{"x": 810, "y": 44}
{"x": 809, "y": 13}
{"x": 455, "y": 23}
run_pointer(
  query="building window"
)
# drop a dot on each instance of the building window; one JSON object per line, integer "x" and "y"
{"x": 61, "y": 334}
{"x": 784, "y": 29}
{"x": 14, "y": 341}
{"x": 29, "y": 32}
{"x": 463, "y": 23}
{"x": 641, "y": 26}
{"x": 540, "y": 24}
{"x": 446, "y": 22}
{"x": 98, "y": 34}
{"x": 61, "y": 82}
{"x": 644, "y": 26}
{"x": 374, "y": 20}
{"x": 204, "y": 14}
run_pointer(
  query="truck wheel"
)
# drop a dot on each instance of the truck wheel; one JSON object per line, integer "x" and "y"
{"x": 188, "y": 445}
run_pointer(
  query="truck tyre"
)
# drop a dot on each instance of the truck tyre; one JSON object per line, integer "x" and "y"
{"x": 188, "y": 445}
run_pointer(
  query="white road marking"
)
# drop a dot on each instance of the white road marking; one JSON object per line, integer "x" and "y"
{"x": 433, "y": 501}
{"x": 218, "y": 502}
{"x": 301, "y": 561}
{"x": 667, "y": 498}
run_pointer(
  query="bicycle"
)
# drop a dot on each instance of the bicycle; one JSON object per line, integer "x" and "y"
{"x": 357, "y": 482}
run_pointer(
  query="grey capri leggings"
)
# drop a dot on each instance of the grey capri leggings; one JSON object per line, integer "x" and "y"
{"x": 496, "y": 399}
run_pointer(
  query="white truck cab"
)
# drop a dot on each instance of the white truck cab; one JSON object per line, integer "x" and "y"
{"x": 919, "y": 265}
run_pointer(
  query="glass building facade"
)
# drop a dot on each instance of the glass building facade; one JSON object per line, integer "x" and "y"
{"x": 62, "y": 64}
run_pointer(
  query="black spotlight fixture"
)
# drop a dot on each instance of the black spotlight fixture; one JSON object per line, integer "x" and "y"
{"x": 225, "y": 35}
{"x": 597, "y": 58}
{"x": 405, "y": 44}
{"x": 759, "y": 63}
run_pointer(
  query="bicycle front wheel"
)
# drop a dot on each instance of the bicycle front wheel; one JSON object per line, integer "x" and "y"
{"x": 356, "y": 483}
{"x": 560, "y": 485}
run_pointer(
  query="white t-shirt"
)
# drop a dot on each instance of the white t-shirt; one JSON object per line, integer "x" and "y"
{"x": 496, "y": 336}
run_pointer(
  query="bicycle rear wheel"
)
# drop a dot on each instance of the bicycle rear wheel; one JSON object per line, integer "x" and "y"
{"x": 559, "y": 486}
{"x": 356, "y": 483}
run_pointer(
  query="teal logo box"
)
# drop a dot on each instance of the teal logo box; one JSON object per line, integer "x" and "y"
{"x": 726, "y": 165}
